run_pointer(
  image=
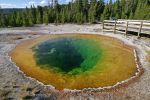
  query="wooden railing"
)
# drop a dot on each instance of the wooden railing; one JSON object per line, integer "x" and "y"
{"x": 125, "y": 26}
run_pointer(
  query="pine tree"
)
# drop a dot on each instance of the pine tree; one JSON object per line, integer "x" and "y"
{"x": 33, "y": 14}
{"x": 27, "y": 21}
{"x": 111, "y": 8}
{"x": 78, "y": 11}
{"x": 57, "y": 10}
{"x": 92, "y": 11}
{"x": 117, "y": 9}
{"x": 143, "y": 10}
{"x": 19, "y": 21}
{"x": 85, "y": 10}
{"x": 131, "y": 15}
{"x": 62, "y": 16}
{"x": 106, "y": 13}
{"x": 12, "y": 19}
{"x": 79, "y": 17}
{"x": 1, "y": 20}
{"x": 99, "y": 9}
{"x": 45, "y": 18}
{"x": 38, "y": 18}
{"x": 39, "y": 15}
{"x": 51, "y": 16}
{"x": 123, "y": 7}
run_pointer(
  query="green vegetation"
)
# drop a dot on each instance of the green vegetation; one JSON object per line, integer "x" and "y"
{"x": 79, "y": 11}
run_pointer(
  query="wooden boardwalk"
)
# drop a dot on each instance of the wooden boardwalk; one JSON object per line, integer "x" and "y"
{"x": 125, "y": 26}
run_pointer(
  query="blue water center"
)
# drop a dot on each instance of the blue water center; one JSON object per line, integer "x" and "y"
{"x": 68, "y": 55}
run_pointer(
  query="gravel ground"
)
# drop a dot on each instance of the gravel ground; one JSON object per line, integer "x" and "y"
{"x": 14, "y": 85}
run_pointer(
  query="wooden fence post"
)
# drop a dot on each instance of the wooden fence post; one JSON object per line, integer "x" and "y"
{"x": 103, "y": 25}
{"x": 115, "y": 27}
{"x": 140, "y": 28}
{"x": 126, "y": 31}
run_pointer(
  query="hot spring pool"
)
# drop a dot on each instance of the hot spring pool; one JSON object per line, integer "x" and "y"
{"x": 75, "y": 61}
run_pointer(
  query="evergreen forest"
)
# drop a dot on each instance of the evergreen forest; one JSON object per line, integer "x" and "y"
{"x": 77, "y": 11}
